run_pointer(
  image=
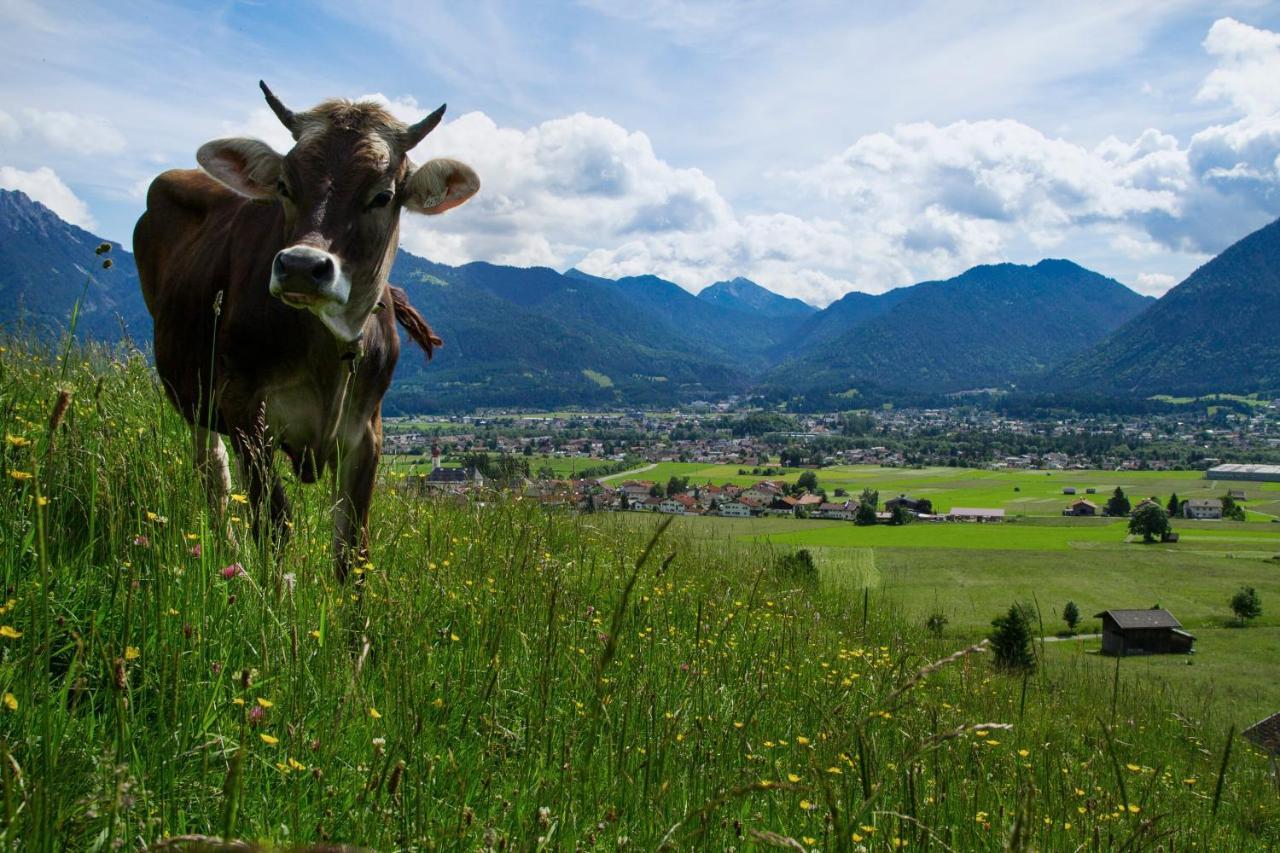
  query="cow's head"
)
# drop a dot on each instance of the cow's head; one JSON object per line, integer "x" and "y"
{"x": 342, "y": 187}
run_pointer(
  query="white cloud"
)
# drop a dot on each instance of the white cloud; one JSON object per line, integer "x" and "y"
{"x": 9, "y": 130}
{"x": 1154, "y": 283}
{"x": 1248, "y": 67}
{"x": 81, "y": 134}
{"x": 44, "y": 186}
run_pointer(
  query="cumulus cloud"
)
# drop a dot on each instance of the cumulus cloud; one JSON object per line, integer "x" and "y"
{"x": 80, "y": 134}
{"x": 918, "y": 201}
{"x": 43, "y": 185}
{"x": 1153, "y": 283}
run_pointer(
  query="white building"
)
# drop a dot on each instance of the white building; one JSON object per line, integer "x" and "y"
{"x": 1202, "y": 508}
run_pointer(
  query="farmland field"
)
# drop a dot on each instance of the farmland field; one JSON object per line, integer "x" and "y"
{"x": 970, "y": 572}
{"x": 1016, "y": 491}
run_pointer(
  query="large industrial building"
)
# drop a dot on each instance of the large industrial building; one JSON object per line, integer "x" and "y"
{"x": 1256, "y": 473}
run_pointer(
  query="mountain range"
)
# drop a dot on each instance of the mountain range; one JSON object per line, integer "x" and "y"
{"x": 538, "y": 338}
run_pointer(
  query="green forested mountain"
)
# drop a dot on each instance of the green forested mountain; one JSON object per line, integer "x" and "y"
{"x": 542, "y": 339}
{"x": 1218, "y": 331}
{"x": 45, "y": 265}
{"x": 745, "y": 295}
{"x": 985, "y": 327}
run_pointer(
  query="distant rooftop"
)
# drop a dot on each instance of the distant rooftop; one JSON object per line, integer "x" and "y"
{"x": 1237, "y": 471}
{"x": 1141, "y": 618}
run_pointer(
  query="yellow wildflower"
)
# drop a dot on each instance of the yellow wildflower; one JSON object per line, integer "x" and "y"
{"x": 1134, "y": 808}
{"x": 16, "y": 440}
{"x": 240, "y": 499}
{"x": 10, "y": 702}
{"x": 373, "y": 712}
{"x": 1024, "y": 752}
{"x": 802, "y": 741}
{"x": 20, "y": 475}
{"x": 269, "y": 740}
{"x": 9, "y": 632}
{"x": 792, "y": 778}
{"x": 132, "y": 653}
{"x": 296, "y": 764}
{"x": 265, "y": 703}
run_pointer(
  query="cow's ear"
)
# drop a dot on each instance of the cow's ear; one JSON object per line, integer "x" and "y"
{"x": 438, "y": 185}
{"x": 247, "y": 166}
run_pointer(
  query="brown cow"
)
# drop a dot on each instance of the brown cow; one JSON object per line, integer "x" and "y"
{"x": 266, "y": 278}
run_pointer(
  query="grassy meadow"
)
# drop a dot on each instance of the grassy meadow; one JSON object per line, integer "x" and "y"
{"x": 505, "y": 678}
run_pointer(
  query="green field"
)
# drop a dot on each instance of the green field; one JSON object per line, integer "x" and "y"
{"x": 1017, "y": 492}
{"x": 970, "y": 572}
{"x": 564, "y": 467}
{"x": 504, "y": 677}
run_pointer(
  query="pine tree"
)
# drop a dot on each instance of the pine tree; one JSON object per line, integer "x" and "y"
{"x": 1174, "y": 505}
{"x": 1011, "y": 640}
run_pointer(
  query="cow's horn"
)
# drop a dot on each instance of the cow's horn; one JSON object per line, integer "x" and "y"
{"x": 286, "y": 116}
{"x": 416, "y": 132}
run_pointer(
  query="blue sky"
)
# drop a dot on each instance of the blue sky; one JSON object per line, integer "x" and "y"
{"x": 815, "y": 147}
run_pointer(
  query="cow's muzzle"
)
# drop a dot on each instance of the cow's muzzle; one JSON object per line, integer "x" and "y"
{"x": 306, "y": 277}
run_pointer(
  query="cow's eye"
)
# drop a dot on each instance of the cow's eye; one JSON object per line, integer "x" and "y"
{"x": 283, "y": 189}
{"x": 382, "y": 199}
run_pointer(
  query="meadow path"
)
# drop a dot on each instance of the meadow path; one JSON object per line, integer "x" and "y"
{"x": 639, "y": 470}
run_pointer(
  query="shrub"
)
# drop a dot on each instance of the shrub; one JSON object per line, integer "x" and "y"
{"x": 1071, "y": 615}
{"x": 936, "y": 623}
{"x": 1246, "y": 604}
{"x": 1011, "y": 640}
{"x": 797, "y": 565}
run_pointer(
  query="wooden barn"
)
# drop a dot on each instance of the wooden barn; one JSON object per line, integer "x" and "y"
{"x": 1143, "y": 632}
{"x": 1265, "y": 734}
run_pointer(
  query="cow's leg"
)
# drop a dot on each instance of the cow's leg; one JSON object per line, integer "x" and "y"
{"x": 357, "y": 467}
{"x": 255, "y": 451}
{"x": 214, "y": 468}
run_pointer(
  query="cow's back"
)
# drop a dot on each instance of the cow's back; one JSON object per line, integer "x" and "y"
{"x": 182, "y": 244}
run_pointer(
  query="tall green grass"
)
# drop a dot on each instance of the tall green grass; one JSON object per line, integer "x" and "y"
{"x": 503, "y": 677}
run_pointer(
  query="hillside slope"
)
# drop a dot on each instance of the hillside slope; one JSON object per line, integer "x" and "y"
{"x": 743, "y": 294}
{"x": 985, "y": 327}
{"x": 45, "y": 264}
{"x": 1218, "y": 331}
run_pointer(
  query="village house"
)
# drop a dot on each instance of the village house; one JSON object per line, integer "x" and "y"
{"x": 763, "y": 491}
{"x": 1143, "y": 632}
{"x": 836, "y": 511}
{"x": 637, "y": 490}
{"x": 1202, "y": 508}
{"x": 737, "y": 509}
{"x": 679, "y": 505}
{"x": 781, "y": 505}
{"x": 1081, "y": 507}
{"x": 1265, "y": 734}
{"x": 910, "y": 504}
